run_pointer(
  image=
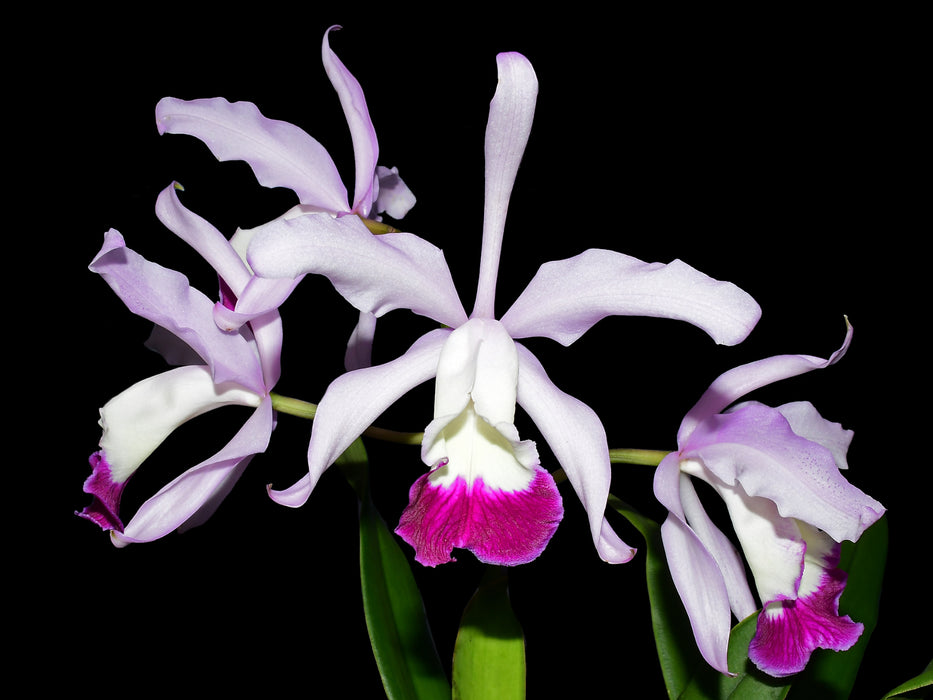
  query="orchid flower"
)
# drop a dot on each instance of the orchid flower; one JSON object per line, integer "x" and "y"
{"x": 282, "y": 155}
{"x": 486, "y": 490}
{"x": 217, "y": 369}
{"x": 778, "y": 472}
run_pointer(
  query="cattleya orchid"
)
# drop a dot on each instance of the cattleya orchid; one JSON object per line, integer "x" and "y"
{"x": 283, "y": 155}
{"x": 217, "y": 369}
{"x": 778, "y": 472}
{"x": 486, "y": 490}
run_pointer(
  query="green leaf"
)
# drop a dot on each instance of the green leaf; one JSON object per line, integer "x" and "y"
{"x": 748, "y": 684}
{"x": 489, "y": 654}
{"x": 831, "y": 675}
{"x": 395, "y": 616}
{"x": 677, "y": 651}
{"x": 905, "y": 690}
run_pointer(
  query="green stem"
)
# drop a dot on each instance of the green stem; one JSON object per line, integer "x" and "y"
{"x": 306, "y": 409}
{"x": 651, "y": 458}
{"x": 293, "y": 407}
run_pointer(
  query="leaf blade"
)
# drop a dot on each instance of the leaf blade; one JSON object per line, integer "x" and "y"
{"x": 395, "y": 615}
{"x": 489, "y": 654}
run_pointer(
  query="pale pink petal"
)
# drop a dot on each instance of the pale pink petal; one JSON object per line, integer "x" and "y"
{"x": 567, "y": 297}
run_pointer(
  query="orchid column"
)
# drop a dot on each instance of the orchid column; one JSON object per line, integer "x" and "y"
{"x": 486, "y": 490}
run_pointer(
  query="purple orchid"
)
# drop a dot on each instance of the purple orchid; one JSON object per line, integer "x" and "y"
{"x": 282, "y": 155}
{"x": 486, "y": 490}
{"x": 216, "y": 369}
{"x": 778, "y": 472}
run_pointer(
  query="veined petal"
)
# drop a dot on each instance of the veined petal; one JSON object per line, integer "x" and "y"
{"x": 499, "y": 525}
{"x": 736, "y": 383}
{"x": 166, "y": 298}
{"x": 365, "y": 144}
{"x": 139, "y": 419}
{"x": 353, "y": 401}
{"x": 374, "y": 273}
{"x": 756, "y": 447}
{"x": 790, "y": 630}
{"x": 511, "y": 113}
{"x": 280, "y": 154}
{"x": 197, "y": 492}
{"x": 567, "y": 297}
{"x": 578, "y": 440}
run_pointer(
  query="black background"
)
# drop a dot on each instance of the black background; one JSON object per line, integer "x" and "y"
{"x": 777, "y": 151}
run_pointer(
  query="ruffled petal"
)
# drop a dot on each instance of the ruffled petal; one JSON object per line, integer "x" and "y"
{"x": 578, "y": 440}
{"x": 198, "y": 491}
{"x": 755, "y": 446}
{"x": 500, "y": 526}
{"x": 365, "y": 144}
{"x": 730, "y": 386}
{"x": 790, "y": 630}
{"x": 280, "y": 154}
{"x": 511, "y": 113}
{"x": 166, "y": 298}
{"x": 374, "y": 273}
{"x": 353, "y": 401}
{"x": 567, "y": 297}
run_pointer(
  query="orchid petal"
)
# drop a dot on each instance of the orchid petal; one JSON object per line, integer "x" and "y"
{"x": 201, "y": 235}
{"x": 567, "y": 297}
{"x": 374, "y": 273}
{"x": 756, "y": 447}
{"x": 260, "y": 296}
{"x": 773, "y": 545}
{"x": 511, "y": 113}
{"x": 353, "y": 401}
{"x": 736, "y": 383}
{"x": 806, "y": 422}
{"x": 200, "y": 486}
{"x": 166, "y": 298}
{"x": 360, "y": 345}
{"x": 578, "y": 440}
{"x": 394, "y": 197}
{"x": 707, "y": 605}
{"x": 479, "y": 363}
{"x": 721, "y": 549}
{"x": 137, "y": 420}
{"x": 365, "y": 144}
{"x": 500, "y": 526}
{"x": 280, "y": 154}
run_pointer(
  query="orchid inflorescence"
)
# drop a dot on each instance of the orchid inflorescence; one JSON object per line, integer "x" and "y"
{"x": 777, "y": 470}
